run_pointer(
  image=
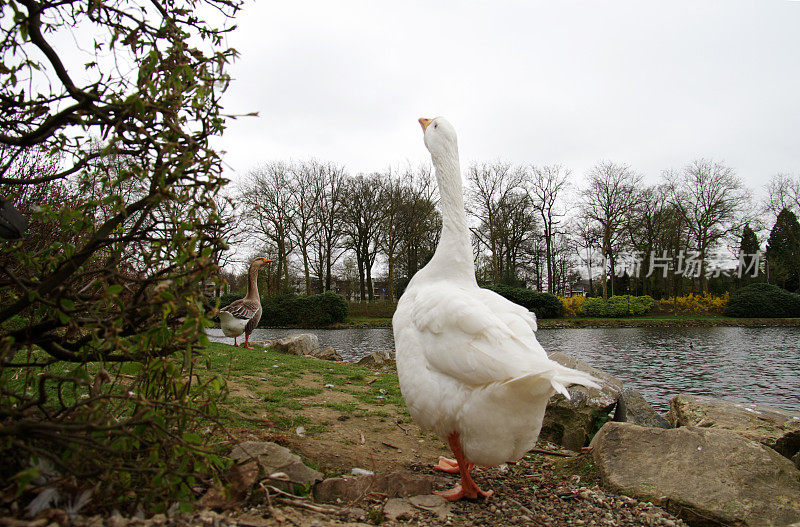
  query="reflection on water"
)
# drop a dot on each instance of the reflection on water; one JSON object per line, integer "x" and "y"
{"x": 756, "y": 365}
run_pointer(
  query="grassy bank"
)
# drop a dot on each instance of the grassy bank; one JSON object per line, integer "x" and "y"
{"x": 335, "y": 415}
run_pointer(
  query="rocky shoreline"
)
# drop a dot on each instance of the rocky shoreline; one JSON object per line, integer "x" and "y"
{"x": 708, "y": 461}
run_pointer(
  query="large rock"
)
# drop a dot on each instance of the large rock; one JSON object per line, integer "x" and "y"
{"x": 349, "y": 489}
{"x": 327, "y": 354}
{"x": 570, "y": 423}
{"x": 777, "y": 429}
{"x": 705, "y": 476}
{"x": 633, "y": 408}
{"x": 274, "y": 459}
{"x": 302, "y": 344}
{"x": 376, "y": 358}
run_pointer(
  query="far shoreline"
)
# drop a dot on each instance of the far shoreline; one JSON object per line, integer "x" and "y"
{"x": 587, "y": 323}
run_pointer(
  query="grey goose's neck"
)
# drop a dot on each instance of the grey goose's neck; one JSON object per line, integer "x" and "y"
{"x": 252, "y": 283}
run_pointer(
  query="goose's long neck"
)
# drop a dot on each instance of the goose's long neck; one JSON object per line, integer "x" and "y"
{"x": 252, "y": 283}
{"x": 453, "y": 256}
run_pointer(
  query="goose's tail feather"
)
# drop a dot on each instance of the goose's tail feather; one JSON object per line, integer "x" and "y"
{"x": 558, "y": 377}
{"x": 567, "y": 376}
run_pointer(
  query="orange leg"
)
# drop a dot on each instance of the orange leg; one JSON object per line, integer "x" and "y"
{"x": 246, "y": 343}
{"x": 467, "y": 488}
{"x": 234, "y": 341}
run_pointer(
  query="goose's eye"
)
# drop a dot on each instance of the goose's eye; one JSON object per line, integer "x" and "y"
{"x": 436, "y": 125}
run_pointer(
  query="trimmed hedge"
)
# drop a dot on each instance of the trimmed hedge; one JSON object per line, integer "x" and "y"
{"x": 617, "y": 306}
{"x": 374, "y": 309}
{"x": 309, "y": 311}
{"x": 544, "y": 305}
{"x": 763, "y": 301}
{"x": 229, "y": 298}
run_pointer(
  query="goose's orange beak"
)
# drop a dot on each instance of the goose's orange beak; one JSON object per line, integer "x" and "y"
{"x": 266, "y": 260}
{"x": 424, "y": 123}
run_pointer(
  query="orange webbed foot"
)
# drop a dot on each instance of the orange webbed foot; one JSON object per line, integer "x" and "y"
{"x": 459, "y": 492}
{"x": 447, "y": 465}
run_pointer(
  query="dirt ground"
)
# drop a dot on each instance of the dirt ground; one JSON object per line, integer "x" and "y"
{"x": 550, "y": 489}
{"x": 356, "y": 434}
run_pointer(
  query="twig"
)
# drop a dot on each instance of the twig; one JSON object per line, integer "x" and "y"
{"x": 269, "y": 501}
{"x": 405, "y": 430}
{"x": 311, "y": 507}
{"x": 283, "y": 493}
{"x": 390, "y": 445}
{"x": 552, "y": 452}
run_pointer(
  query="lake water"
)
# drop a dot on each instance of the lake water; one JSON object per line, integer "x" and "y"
{"x": 751, "y": 365}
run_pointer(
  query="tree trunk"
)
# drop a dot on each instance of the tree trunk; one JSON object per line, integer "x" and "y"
{"x": 328, "y": 266}
{"x": 368, "y": 270}
{"x": 390, "y": 285}
{"x": 360, "y": 264}
{"x": 605, "y": 268}
{"x": 306, "y": 271}
{"x": 549, "y": 257}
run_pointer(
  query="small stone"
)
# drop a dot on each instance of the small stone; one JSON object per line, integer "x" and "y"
{"x": 398, "y": 509}
{"x": 433, "y": 503}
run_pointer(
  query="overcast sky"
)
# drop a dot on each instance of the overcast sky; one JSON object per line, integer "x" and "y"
{"x": 654, "y": 85}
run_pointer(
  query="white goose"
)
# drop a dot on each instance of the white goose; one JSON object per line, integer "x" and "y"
{"x": 469, "y": 364}
{"x": 242, "y": 316}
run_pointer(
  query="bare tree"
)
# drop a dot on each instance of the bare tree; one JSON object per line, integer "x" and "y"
{"x": 783, "y": 192}
{"x": 492, "y": 196}
{"x": 305, "y": 198}
{"x": 231, "y": 228}
{"x": 586, "y": 235}
{"x": 267, "y": 195}
{"x": 361, "y": 222}
{"x": 712, "y": 201}
{"x": 330, "y": 182}
{"x": 609, "y": 197}
{"x": 647, "y": 230}
{"x": 395, "y": 196}
{"x": 546, "y": 187}
{"x": 421, "y": 223}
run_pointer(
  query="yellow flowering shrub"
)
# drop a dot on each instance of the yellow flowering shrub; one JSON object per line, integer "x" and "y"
{"x": 691, "y": 304}
{"x": 572, "y": 305}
